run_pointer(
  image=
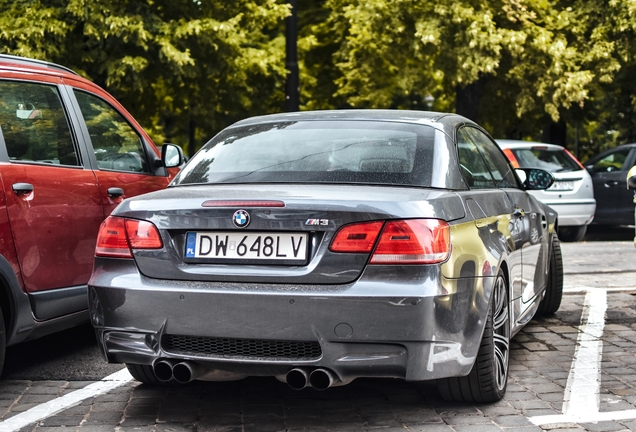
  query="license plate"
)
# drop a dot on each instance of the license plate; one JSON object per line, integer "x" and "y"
{"x": 562, "y": 186}
{"x": 246, "y": 246}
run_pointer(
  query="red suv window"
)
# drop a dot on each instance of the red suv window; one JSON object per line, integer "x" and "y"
{"x": 116, "y": 144}
{"x": 34, "y": 124}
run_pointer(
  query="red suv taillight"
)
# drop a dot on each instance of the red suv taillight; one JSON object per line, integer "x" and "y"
{"x": 117, "y": 237}
{"x": 411, "y": 241}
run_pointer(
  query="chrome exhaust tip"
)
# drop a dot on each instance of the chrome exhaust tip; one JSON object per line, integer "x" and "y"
{"x": 297, "y": 379}
{"x": 322, "y": 379}
{"x": 186, "y": 371}
{"x": 163, "y": 369}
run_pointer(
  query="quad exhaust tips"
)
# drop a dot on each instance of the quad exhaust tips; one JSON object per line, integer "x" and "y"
{"x": 182, "y": 372}
{"x": 320, "y": 379}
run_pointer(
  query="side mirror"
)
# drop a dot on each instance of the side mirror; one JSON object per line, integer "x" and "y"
{"x": 590, "y": 169}
{"x": 172, "y": 155}
{"x": 534, "y": 178}
{"x": 631, "y": 182}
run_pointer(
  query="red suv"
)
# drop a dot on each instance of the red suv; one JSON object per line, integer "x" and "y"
{"x": 69, "y": 154}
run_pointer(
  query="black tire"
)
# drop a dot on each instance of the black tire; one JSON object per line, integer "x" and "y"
{"x": 554, "y": 289}
{"x": 572, "y": 233}
{"x": 488, "y": 379}
{"x": 144, "y": 373}
{"x": 3, "y": 341}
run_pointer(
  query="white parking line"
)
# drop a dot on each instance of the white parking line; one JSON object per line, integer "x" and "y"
{"x": 57, "y": 405}
{"x": 582, "y": 392}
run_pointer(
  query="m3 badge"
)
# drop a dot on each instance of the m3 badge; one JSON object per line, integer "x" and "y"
{"x": 317, "y": 222}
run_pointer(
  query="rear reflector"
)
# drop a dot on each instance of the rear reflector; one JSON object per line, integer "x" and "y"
{"x": 242, "y": 203}
{"x": 117, "y": 237}
{"x": 356, "y": 238}
{"x": 413, "y": 241}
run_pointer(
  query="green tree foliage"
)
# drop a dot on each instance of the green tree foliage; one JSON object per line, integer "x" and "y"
{"x": 608, "y": 117}
{"x": 512, "y": 65}
{"x": 184, "y": 68}
{"x": 552, "y": 70}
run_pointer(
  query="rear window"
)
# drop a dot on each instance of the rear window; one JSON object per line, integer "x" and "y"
{"x": 549, "y": 160}
{"x": 316, "y": 152}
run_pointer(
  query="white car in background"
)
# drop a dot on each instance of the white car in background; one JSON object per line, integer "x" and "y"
{"x": 571, "y": 195}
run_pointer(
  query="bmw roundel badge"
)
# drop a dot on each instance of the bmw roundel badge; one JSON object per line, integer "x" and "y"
{"x": 241, "y": 218}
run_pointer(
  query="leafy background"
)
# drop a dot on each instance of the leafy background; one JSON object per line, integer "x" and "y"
{"x": 546, "y": 70}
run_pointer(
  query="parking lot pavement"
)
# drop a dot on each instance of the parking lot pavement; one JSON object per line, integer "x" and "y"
{"x": 541, "y": 366}
{"x": 608, "y": 265}
{"x": 574, "y": 370}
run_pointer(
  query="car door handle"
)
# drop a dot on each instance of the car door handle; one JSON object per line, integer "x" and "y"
{"x": 115, "y": 192}
{"x": 22, "y": 188}
{"x": 519, "y": 213}
{"x": 609, "y": 184}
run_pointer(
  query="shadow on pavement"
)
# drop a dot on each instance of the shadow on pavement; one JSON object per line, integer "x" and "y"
{"x": 609, "y": 233}
{"x": 70, "y": 355}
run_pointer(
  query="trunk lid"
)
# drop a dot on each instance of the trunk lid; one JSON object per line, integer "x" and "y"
{"x": 307, "y": 222}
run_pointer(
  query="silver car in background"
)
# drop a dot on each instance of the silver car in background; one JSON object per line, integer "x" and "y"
{"x": 571, "y": 195}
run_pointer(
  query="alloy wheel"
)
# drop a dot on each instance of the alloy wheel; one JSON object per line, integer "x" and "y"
{"x": 501, "y": 332}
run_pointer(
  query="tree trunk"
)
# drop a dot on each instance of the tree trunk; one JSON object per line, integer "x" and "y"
{"x": 468, "y": 98}
{"x": 554, "y": 133}
{"x": 192, "y": 144}
{"x": 292, "y": 83}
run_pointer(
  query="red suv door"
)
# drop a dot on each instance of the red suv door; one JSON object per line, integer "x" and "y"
{"x": 53, "y": 199}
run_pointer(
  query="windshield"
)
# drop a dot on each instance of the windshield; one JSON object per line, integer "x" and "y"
{"x": 550, "y": 160}
{"x": 316, "y": 152}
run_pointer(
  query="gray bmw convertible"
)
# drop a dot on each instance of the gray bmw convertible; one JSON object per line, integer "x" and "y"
{"x": 320, "y": 247}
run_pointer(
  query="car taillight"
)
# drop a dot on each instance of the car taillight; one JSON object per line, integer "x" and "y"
{"x": 356, "y": 238}
{"x": 413, "y": 241}
{"x": 574, "y": 159}
{"x": 511, "y": 157}
{"x": 117, "y": 237}
{"x": 143, "y": 235}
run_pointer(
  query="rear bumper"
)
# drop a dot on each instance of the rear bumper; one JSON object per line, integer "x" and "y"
{"x": 419, "y": 327}
{"x": 574, "y": 212}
